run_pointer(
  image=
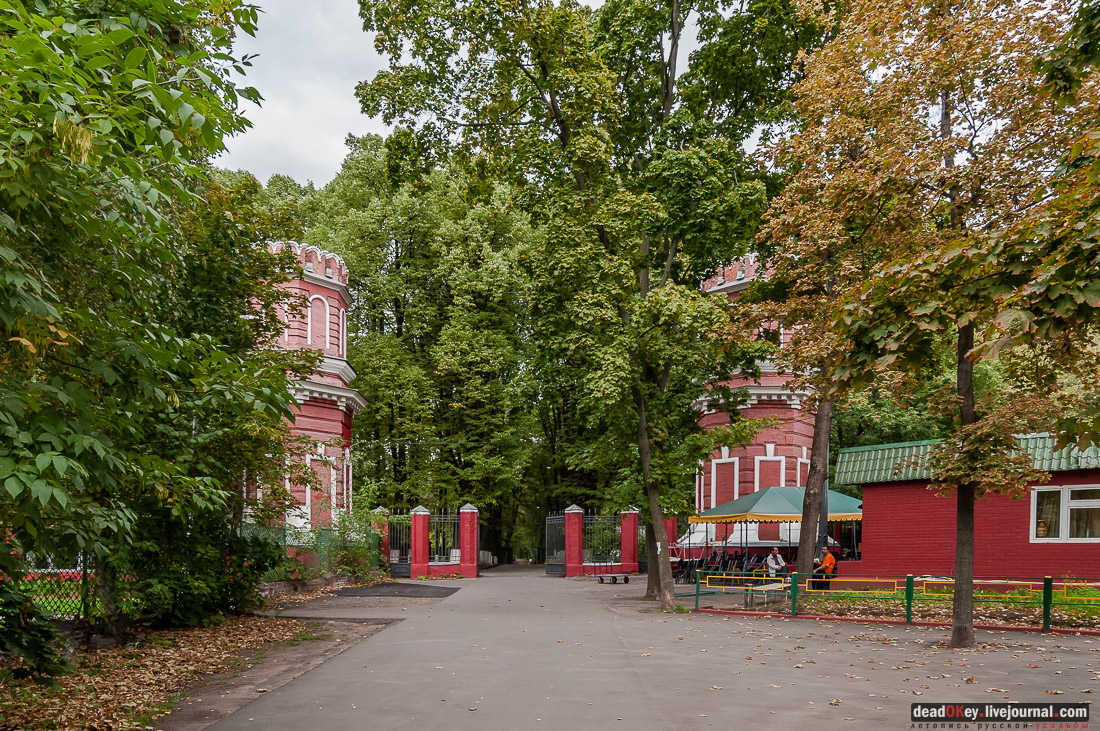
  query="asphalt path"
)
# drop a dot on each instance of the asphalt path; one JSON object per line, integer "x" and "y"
{"x": 518, "y": 649}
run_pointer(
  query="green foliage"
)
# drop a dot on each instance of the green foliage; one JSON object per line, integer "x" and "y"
{"x": 26, "y": 633}
{"x": 186, "y": 569}
{"x": 133, "y": 390}
{"x": 439, "y": 327}
{"x": 359, "y": 534}
{"x": 635, "y": 175}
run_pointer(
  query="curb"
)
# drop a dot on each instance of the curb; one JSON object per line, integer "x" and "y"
{"x": 903, "y": 623}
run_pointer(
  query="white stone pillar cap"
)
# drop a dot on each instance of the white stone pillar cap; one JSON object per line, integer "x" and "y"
{"x": 467, "y": 508}
{"x": 574, "y": 509}
{"x": 419, "y": 510}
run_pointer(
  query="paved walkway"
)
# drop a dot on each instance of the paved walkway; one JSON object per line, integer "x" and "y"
{"x": 518, "y": 650}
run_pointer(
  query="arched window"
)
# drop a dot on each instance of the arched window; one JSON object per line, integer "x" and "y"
{"x": 324, "y": 323}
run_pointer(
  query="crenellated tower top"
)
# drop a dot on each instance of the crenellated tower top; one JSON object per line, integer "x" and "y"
{"x": 736, "y": 276}
{"x": 316, "y": 261}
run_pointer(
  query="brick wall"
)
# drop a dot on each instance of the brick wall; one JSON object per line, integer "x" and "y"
{"x": 907, "y": 529}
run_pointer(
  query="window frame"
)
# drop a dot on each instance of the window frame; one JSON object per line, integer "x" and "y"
{"x": 1064, "y": 513}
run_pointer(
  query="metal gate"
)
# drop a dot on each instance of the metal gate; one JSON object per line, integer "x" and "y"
{"x": 555, "y": 544}
{"x": 400, "y": 534}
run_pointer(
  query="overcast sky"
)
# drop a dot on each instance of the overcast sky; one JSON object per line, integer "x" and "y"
{"x": 311, "y": 56}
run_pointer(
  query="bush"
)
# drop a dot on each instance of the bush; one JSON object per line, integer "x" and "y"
{"x": 184, "y": 571}
{"x": 27, "y": 633}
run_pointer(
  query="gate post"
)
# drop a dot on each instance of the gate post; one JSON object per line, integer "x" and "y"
{"x": 381, "y": 523}
{"x": 574, "y": 540}
{"x": 467, "y": 541}
{"x": 420, "y": 550}
{"x": 628, "y": 540}
{"x": 670, "y": 531}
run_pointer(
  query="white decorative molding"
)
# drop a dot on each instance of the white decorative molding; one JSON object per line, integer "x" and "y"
{"x": 338, "y": 367}
{"x": 793, "y": 398}
{"x": 735, "y": 285}
{"x": 348, "y": 399}
{"x": 329, "y": 283}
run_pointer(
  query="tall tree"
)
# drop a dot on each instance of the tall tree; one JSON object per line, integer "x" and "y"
{"x": 107, "y": 111}
{"x": 630, "y": 157}
{"x": 438, "y": 329}
{"x": 954, "y": 116}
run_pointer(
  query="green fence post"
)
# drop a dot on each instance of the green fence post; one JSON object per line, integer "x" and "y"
{"x": 84, "y": 585}
{"x": 794, "y": 594}
{"x": 909, "y": 599}
{"x": 697, "y": 592}
{"x": 1048, "y": 600}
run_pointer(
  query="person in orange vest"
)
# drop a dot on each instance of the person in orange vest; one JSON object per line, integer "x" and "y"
{"x": 826, "y": 568}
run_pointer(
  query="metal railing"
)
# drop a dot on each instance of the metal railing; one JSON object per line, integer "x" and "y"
{"x": 444, "y": 538}
{"x": 601, "y": 540}
{"x": 555, "y": 544}
{"x": 1075, "y": 596}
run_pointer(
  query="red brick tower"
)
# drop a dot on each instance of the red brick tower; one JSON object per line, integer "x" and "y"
{"x": 327, "y": 404}
{"x": 778, "y": 456}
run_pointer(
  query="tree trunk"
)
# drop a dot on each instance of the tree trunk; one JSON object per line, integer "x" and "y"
{"x": 815, "y": 483}
{"x": 962, "y": 605}
{"x": 653, "y": 577}
{"x": 663, "y": 589}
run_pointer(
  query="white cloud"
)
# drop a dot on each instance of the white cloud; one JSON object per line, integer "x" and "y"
{"x": 311, "y": 56}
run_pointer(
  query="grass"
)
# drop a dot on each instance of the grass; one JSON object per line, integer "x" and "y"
{"x": 307, "y": 634}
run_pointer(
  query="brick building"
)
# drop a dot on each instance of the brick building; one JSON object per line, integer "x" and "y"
{"x": 327, "y": 404}
{"x": 1052, "y": 530}
{"x": 779, "y": 456}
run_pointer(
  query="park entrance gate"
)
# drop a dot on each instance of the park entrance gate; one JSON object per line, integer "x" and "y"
{"x": 555, "y": 544}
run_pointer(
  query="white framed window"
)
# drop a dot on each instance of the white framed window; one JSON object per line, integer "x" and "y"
{"x": 1065, "y": 514}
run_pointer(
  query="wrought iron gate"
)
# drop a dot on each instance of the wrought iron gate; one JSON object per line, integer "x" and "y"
{"x": 400, "y": 534}
{"x": 555, "y": 544}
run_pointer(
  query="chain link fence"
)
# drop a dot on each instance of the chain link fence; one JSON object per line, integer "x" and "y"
{"x": 66, "y": 588}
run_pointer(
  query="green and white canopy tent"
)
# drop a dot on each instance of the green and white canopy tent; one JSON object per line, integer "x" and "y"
{"x": 777, "y": 505}
{"x": 771, "y": 505}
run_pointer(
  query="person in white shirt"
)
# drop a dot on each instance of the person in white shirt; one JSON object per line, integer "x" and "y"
{"x": 775, "y": 562}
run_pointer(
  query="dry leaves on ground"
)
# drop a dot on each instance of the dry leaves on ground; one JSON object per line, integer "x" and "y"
{"x": 123, "y": 687}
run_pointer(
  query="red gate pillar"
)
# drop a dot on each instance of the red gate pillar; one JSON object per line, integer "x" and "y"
{"x": 574, "y": 540}
{"x": 468, "y": 541}
{"x": 670, "y": 530}
{"x": 628, "y": 540}
{"x": 380, "y": 522}
{"x": 420, "y": 549}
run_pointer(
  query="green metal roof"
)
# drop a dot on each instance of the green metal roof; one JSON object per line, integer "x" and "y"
{"x": 861, "y": 465}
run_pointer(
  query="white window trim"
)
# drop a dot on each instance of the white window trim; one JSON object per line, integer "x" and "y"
{"x": 782, "y": 470}
{"x": 798, "y": 471}
{"x": 1063, "y": 519}
{"x": 736, "y": 462}
{"x": 343, "y": 342}
{"x": 309, "y": 321}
